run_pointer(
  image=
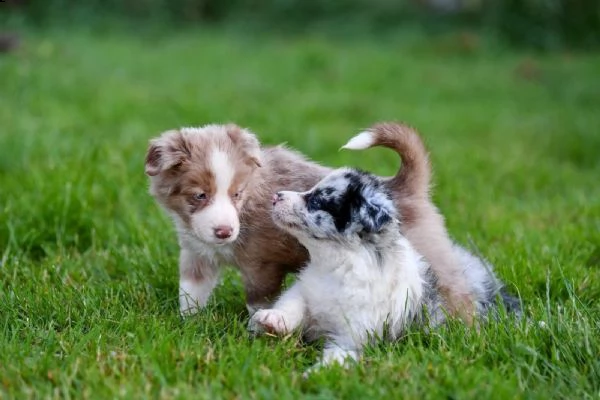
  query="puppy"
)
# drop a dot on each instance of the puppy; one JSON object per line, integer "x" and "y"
{"x": 216, "y": 181}
{"x": 364, "y": 278}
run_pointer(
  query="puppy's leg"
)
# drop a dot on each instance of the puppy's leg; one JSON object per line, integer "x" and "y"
{"x": 287, "y": 314}
{"x": 262, "y": 284}
{"x": 197, "y": 279}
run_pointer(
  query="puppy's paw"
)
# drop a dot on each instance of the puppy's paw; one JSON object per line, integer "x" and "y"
{"x": 334, "y": 355}
{"x": 187, "y": 310}
{"x": 271, "y": 321}
{"x": 253, "y": 326}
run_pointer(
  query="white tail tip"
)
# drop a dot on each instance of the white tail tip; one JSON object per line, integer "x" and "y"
{"x": 362, "y": 141}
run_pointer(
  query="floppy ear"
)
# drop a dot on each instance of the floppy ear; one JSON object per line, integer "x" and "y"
{"x": 165, "y": 152}
{"x": 374, "y": 216}
{"x": 247, "y": 142}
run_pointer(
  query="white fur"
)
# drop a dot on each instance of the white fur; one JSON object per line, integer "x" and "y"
{"x": 287, "y": 314}
{"x": 347, "y": 295}
{"x": 220, "y": 211}
{"x": 194, "y": 293}
{"x": 188, "y": 241}
{"x": 362, "y": 141}
{"x": 223, "y": 170}
{"x": 364, "y": 279}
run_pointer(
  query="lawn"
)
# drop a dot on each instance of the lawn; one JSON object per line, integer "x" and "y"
{"x": 88, "y": 275}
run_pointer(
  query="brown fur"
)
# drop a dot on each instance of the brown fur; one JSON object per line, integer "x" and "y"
{"x": 266, "y": 252}
{"x": 177, "y": 166}
{"x": 184, "y": 169}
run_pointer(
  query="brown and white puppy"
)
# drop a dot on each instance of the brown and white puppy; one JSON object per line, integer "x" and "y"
{"x": 216, "y": 182}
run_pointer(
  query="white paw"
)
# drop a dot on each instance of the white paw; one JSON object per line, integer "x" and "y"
{"x": 254, "y": 307}
{"x": 187, "y": 306}
{"x": 193, "y": 296}
{"x": 270, "y": 321}
{"x": 334, "y": 355}
{"x": 337, "y": 355}
{"x": 186, "y": 311}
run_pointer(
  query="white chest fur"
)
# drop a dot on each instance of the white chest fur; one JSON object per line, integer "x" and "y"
{"x": 349, "y": 295}
{"x": 361, "y": 295}
{"x": 217, "y": 254}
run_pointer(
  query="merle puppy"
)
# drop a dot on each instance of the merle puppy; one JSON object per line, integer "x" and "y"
{"x": 364, "y": 278}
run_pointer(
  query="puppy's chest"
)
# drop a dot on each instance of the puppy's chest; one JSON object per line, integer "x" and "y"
{"x": 336, "y": 300}
{"x": 218, "y": 254}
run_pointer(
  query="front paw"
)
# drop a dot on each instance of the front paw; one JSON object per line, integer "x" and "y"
{"x": 186, "y": 311}
{"x": 271, "y": 321}
{"x": 188, "y": 307}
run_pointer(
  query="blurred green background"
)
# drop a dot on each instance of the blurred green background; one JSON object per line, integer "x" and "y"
{"x": 540, "y": 24}
{"x": 506, "y": 95}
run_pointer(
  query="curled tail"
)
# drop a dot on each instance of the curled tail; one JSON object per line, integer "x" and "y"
{"x": 414, "y": 176}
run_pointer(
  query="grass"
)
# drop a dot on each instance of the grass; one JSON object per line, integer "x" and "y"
{"x": 88, "y": 278}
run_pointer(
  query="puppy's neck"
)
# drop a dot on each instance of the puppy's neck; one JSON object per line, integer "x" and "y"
{"x": 370, "y": 248}
{"x": 329, "y": 252}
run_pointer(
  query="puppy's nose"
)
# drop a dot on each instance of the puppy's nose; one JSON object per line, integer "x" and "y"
{"x": 277, "y": 197}
{"x": 223, "y": 231}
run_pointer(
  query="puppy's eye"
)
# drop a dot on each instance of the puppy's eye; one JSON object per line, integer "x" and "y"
{"x": 199, "y": 196}
{"x": 313, "y": 203}
{"x": 237, "y": 195}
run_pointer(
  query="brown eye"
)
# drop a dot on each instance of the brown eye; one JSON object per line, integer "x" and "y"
{"x": 199, "y": 196}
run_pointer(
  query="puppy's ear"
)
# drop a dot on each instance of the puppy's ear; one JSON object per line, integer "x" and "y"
{"x": 247, "y": 143}
{"x": 165, "y": 152}
{"x": 374, "y": 216}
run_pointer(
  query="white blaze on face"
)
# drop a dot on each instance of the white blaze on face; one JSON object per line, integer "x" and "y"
{"x": 220, "y": 212}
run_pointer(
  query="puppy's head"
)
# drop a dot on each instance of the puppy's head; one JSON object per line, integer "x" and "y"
{"x": 199, "y": 176}
{"x": 346, "y": 203}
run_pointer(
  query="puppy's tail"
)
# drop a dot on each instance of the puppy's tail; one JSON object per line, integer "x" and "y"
{"x": 414, "y": 178}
